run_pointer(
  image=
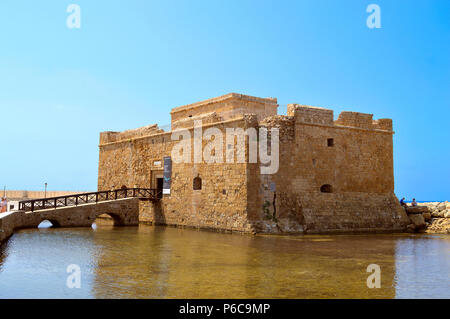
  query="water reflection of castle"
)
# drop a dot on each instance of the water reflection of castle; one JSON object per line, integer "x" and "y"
{"x": 179, "y": 263}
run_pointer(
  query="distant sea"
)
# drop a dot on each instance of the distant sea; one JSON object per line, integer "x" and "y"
{"x": 425, "y": 201}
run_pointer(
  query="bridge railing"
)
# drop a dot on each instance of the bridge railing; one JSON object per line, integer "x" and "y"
{"x": 88, "y": 198}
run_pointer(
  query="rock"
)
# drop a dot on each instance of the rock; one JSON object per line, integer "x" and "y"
{"x": 438, "y": 214}
{"x": 411, "y": 228}
{"x": 435, "y": 214}
{"x": 417, "y": 209}
{"x": 418, "y": 221}
{"x": 447, "y": 205}
{"x": 441, "y": 207}
{"x": 427, "y": 216}
{"x": 439, "y": 225}
{"x": 447, "y": 214}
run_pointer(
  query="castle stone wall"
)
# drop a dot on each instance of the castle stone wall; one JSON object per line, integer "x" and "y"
{"x": 356, "y": 163}
{"x": 333, "y": 176}
{"x": 221, "y": 202}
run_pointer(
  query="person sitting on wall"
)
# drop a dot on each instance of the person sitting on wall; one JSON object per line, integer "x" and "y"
{"x": 3, "y": 205}
{"x": 414, "y": 203}
{"x": 402, "y": 202}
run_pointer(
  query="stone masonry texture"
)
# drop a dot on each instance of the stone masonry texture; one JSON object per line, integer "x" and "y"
{"x": 333, "y": 176}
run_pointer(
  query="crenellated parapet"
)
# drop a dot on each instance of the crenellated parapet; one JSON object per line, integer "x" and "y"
{"x": 355, "y": 119}
{"x": 284, "y": 124}
{"x": 310, "y": 114}
{"x": 318, "y": 115}
{"x": 111, "y": 137}
{"x": 382, "y": 124}
{"x": 363, "y": 120}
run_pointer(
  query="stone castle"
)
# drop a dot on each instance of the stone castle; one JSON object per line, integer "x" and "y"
{"x": 333, "y": 175}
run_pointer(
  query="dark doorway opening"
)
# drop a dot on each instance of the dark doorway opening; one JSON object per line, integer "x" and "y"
{"x": 197, "y": 184}
{"x": 159, "y": 186}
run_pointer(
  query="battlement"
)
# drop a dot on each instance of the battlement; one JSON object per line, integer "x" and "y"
{"x": 234, "y": 106}
{"x": 382, "y": 124}
{"x": 310, "y": 114}
{"x": 363, "y": 120}
{"x": 319, "y": 115}
{"x": 110, "y": 137}
{"x": 355, "y": 119}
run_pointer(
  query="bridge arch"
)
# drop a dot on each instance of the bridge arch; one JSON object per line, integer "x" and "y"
{"x": 54, "y": 223}
{"x": 118, "y": 219}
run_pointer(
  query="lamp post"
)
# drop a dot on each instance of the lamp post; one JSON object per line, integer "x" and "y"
{"x": 45, "y": 192}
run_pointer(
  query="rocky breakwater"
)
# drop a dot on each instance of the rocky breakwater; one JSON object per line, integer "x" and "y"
{"x": 439, "y": 217}
{"x": 433, "y": 217}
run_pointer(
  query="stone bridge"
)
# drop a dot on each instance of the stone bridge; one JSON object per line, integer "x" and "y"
{"x": 124, "y": 212}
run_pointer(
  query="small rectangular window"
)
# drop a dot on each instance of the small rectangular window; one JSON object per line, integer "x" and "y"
{"x": 330, "y": 142}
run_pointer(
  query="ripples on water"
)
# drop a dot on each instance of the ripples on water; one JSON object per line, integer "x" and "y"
{"x": 164, "y": 262}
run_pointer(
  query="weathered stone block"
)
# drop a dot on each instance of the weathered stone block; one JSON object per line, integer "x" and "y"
{"x": 418, "y": 221}
{"x": 416, "y": 209}
{"x": 427, "y": 216}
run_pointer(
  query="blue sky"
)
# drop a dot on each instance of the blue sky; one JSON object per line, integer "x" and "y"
{"x": 132, "y": 61}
